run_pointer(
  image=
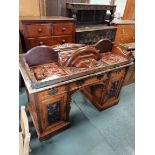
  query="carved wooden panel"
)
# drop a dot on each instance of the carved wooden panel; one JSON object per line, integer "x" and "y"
{"x": 53, "y": 110}
{"x": 115, "y": 83}
{"x": 111, "y": 59}
{"x": 48, "y": 70}
{"x": 91, "y": 37}
{"x": 83, "y": 58}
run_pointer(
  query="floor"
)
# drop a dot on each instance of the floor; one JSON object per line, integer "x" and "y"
{"x": 109, "y": 132}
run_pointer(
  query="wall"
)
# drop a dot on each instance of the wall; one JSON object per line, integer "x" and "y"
{"x": 29, "y": 8}
{"x": 129, "y": 12}
{"x": 120, "y": 5}
{"x": 58, "y": 7}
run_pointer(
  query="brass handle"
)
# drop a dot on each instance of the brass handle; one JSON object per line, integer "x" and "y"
{"x": 40, "y": 30}
{"x": 52, "y": 92}
{"x": 63, "y": 41}
{"x": 41, "y": 43}
{"x": 63, "y": 29}
{"x": 99, "y": 76}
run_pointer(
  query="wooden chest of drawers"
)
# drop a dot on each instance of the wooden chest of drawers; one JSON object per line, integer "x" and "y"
{"x": 125, "y": 31}
{"x": 48, "y": 31}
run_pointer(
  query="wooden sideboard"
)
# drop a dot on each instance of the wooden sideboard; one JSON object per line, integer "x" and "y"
{"x": 125, "y": 31}
{"x": 98, "y": 71}
{"x": 93, "y": 22}
{"x": 48, "y": 31}
{"x": 89, "y": 14}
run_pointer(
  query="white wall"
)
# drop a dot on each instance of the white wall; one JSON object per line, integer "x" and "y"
{"x": 119, "y": 8}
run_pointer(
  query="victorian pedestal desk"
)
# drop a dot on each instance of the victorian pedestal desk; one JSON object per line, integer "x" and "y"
{"x": 48, "y": 31}
{"x": 93, "y": 21}
{"x": 53, "y": 74}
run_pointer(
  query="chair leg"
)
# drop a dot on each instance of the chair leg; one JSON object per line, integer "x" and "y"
{"x": 30, "y": 148}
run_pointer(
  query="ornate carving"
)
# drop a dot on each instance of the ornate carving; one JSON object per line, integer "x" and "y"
{"x": 91, "y": 37}
{"x": 84, "y": 13}
{"x": 111, "y": 59}
{"x": 83, "y": 57}
{"x": 48, "y": 70}
{"x": 53, "y": 112}
{"x": 114, "y": 88}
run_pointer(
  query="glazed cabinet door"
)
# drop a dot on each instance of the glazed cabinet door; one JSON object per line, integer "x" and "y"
{"x": 53, "y": 111}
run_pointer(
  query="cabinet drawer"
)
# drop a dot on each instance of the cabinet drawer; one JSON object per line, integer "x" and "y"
{"x": 62, "y": 39}
{"x": 51, "y": 92}
{"x": 37, "y": 30}
{"x": 63, "y": 28}
{"x": 40, "y": 41}
{"x": 88, "y": 81}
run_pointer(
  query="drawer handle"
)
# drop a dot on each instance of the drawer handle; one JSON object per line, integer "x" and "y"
{"x": 40, "y": 30}
{"x": 52, "y": 92}
{"x": 63, "y": 41}
{"x": 99, "y": 76}
{"x": 63, "y": 29}
{"x": 41, "y": 43}
{"x": 80, "y": 82}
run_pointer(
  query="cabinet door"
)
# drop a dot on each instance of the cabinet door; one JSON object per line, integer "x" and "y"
{"x": 115, "y": 83}
{"x": 53, "y": 111}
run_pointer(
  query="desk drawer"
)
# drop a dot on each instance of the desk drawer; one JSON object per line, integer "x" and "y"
{"x": 88, "y": 81}
{"x": 37, "y": 30}
{"x": 63, "y": 28}
{"x": 47, "y": 94}
{"x": 62, "y": 39}
{"x": 40, "y": 41}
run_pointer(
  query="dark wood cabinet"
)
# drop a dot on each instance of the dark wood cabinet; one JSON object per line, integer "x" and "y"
{"x": 92, "y": 34}
{"x": 93, "y": 22}
{"x": 48, "y": 31}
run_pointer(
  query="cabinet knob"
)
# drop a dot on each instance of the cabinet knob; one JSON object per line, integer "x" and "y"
{"x": 40, "y": 30}
{"x": 63, "y": 29}
{"x": 63, "y": 41}
{"x": 41, "y": 43}
{"x": 99, "y": 77}
{"x": 52, "y": 92}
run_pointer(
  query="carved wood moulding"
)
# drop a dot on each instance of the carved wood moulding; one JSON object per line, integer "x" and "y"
{"x": 69, "y": 63}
